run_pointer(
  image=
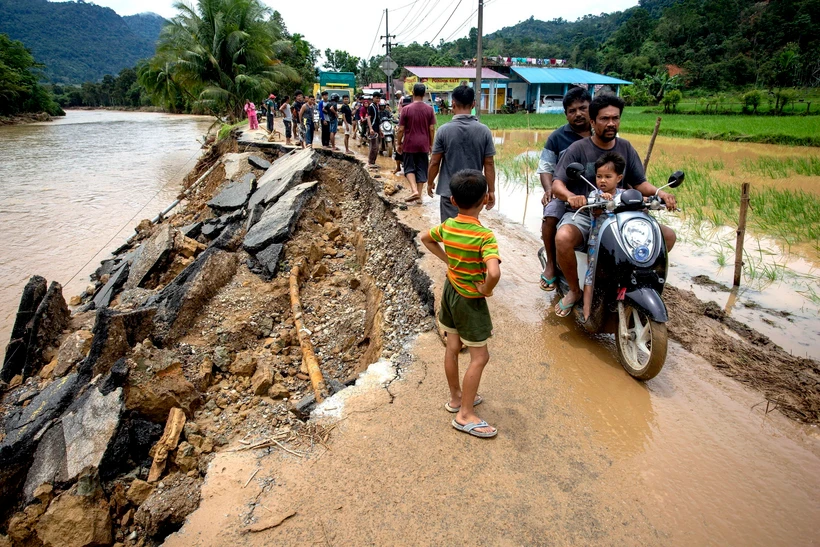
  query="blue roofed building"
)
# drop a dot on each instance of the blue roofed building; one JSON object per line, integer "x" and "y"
{"x": 542, "y": 89}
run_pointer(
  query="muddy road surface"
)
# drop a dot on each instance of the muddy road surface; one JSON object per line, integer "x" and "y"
{"x": 585, "y": 455}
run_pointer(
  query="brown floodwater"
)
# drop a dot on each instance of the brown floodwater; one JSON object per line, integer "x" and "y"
{"x": 72, "y": 190}
{"x": 786, "y": 308}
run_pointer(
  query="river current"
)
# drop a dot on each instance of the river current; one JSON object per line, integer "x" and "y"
{"x": 72, "y": 190}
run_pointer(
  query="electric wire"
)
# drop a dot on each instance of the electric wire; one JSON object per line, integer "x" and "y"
{"x": 412, "y": 25}
{"x": 403, "y": 19}
{"x": 379, "y": 26}
{"x": 469, "y": 19}
{"x": 445, "y": 22}
{"x": 415, "y": 35}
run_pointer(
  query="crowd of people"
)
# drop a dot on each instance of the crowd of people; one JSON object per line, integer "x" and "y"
{"x": 456, "y": 162}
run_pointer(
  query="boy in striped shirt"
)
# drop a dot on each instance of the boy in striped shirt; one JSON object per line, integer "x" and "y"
{"x": 473, "y": 270}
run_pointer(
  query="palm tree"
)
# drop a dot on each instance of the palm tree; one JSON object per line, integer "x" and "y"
{"x": 218, "y": 54}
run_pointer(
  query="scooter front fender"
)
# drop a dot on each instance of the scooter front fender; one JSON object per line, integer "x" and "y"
{"x": 649, "y": 302}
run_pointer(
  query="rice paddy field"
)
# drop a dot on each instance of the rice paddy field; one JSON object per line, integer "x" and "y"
{"x": 789, "y": 130}
{"x": 781, "y": 255}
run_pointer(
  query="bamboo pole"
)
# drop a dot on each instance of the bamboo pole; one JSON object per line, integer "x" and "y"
{"x": 308, "y": 355}
{"x": 741, "y": 232}
{"x": 652, "y": 143}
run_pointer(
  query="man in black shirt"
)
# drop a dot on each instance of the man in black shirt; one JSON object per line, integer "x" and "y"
{"x": 576, "y": 109}
{"x": 605, "y": 115}
{"x": 298, "y": 103}
{"x": 374, "y": 131}
{"x": 347, "y": 114}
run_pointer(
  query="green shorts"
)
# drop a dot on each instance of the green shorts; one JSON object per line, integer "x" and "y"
{"x": 469, "y": 318}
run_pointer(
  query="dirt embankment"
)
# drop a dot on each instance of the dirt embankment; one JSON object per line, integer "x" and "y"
{"x": 790, "y": 384}
{"x": 26, "y": 118}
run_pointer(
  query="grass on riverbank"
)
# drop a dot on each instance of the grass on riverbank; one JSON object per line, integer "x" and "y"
{"x": 788, "y": 130}
{"x": 226, "y": 129}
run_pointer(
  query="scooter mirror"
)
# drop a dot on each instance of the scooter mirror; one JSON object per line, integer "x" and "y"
{"x": 676, "y": 179}
{"x": 574, "y": 169}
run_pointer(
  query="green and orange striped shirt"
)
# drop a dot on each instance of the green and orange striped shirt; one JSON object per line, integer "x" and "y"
{"x": 468, "y": 246}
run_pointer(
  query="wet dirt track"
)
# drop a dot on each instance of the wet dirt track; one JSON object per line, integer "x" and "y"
{"x": 584, "y": 455}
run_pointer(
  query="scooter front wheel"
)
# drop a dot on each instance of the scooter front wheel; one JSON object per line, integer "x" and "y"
{"x": 641, "y": 343}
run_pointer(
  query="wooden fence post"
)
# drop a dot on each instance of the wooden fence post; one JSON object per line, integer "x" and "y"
{"x": 741, "y": 232}
{"x": 652, "y": 143}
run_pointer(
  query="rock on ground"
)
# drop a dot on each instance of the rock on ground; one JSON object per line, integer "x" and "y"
{"x": 76, "y": 518}
{"x": 277, "y": 223}
{"x": 164, "y": 511}
{"x": 154, "y": 397}
{"x": 150, "y": 256}
{"x": 15, "y": 358}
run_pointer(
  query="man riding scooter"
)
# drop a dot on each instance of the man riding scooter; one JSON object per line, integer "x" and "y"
{"x": 573, "y": 230}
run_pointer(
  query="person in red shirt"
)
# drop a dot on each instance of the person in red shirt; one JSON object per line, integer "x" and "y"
{"x": 414, "y": 140}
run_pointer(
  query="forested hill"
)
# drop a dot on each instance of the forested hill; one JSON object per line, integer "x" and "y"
{"x": 78, "y": 41}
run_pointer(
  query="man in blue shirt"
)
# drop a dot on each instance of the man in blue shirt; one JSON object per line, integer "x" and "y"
{"x": 576, "y": 109}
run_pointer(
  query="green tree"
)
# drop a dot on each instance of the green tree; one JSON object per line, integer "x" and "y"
{"x": 671, "y": 99}
{"x": 218, "y": 53}
{"x": 752, "y": 99}
{"x": 19, "y": 88}
{"x": 340, "y": 61}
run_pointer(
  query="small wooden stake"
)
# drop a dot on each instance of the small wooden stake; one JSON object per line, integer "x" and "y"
{"x": 308, "y": 355}
{"x": 741, "y": 232}
{"x": 168, "y": 442}
{"x": 652, "y": 143}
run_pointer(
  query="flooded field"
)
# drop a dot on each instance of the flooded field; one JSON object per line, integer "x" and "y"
{"x": 780, "y": 290}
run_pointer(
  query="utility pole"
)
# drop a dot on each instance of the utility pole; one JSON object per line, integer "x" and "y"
{"x": 388, "y": 45}
{"x": 478, "y": 57}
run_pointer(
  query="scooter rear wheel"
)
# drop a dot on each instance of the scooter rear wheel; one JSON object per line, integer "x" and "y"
{"x": 641, "y": 343}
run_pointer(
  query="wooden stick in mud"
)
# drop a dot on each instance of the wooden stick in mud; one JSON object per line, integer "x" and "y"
{"x": 652, "y": 143}
{"x": 308, "y": 355}
{"x": 167, "y": 443}
{"x": 741, "y": 232}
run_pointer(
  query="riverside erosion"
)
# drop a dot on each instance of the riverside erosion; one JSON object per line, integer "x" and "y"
{"x": 201, "y": 365}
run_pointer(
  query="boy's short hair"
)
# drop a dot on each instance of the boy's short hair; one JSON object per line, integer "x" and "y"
{"x": 617, "y": 161}
{"x": 468, "y": 187}
{"x": 324, "y": 93}
{"x": 311, "y": 97}
{"x": 463, "y": 95}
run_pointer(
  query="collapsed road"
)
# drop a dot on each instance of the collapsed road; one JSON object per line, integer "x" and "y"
{"x": 186, "y": 346}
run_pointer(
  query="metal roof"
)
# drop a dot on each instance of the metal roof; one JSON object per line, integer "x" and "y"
{"x": 564, "y": 76}
{"x": 455, "y": 72}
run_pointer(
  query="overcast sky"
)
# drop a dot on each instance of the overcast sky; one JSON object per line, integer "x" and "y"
{"x": 337, "y": 25}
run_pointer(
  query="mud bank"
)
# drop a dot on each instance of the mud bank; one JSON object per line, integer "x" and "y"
{"x": 185, "y": 344}
{"x": 34, "y": 117}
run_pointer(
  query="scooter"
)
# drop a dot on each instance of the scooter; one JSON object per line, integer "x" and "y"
{"x": 387, "y": 125}
{"x": 629, "y": 277}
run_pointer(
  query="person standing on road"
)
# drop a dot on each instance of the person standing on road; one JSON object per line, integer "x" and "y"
{"x": 323, "y": 121}
{"x": 309, "y": 123}
{"x": 414, "y": 140}
{"x": 373, "y": 129}
{"x": 332, "y": 118}
{"x": 250, "y": 110}
{"x": 298, "y": 103}
{"x": 287, "y": 116}
{"x": 576, "y": 109}
{"x": 269, "y": 110}
{"x": 463, "y": 143}
{"x": 347, "y": 116}
{"x": 473, "y": 270}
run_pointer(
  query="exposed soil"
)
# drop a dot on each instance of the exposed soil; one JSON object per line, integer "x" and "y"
{"x": 791, "y": 384}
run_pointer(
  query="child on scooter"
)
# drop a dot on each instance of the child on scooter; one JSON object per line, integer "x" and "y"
{"x": 609, "y": 172}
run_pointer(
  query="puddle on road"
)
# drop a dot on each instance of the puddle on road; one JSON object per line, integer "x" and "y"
{"x": 780, "y": 291}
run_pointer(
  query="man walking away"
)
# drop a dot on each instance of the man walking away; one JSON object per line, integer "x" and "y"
{"x": 269, "y": 107}
{"x": 347, "y": 115}
{"x": 287, "y": 116}
{"x": 373, "y": 129}
{"x": 414, "y": 140}
{"x": 323, "y": 121}
{"x": 576, "y": 109}
{"x": 463, "y": 143}
{"x": 332, "y": 118}
{"x": 307, "y": 116}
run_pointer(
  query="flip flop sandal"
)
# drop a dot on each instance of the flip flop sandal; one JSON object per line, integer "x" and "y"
{"x": 410, "y": 199}
{"x": 470, "y": 429}
{"x": 547, "y": 285}
{"x": 563, "y": 311}
{"x": 454, "y": 409}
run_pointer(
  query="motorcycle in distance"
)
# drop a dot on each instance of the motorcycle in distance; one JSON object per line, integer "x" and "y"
{"x": 629, "y": 277}
{"x": 387, "y": 124}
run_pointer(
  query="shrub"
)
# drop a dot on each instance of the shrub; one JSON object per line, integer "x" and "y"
{"x": 635, "y": 95}
{"x": 671, "y": 99}
{"x": 751, "y": 100}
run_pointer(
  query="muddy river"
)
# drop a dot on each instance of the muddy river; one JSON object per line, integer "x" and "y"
{"x": 72, "y": 190}
{"x": 787, "y": 308}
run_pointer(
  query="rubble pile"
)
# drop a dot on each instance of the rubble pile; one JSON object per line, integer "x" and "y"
{"x": 185, "y": 344}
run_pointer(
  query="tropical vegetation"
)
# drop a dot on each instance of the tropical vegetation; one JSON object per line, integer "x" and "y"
{"x": 213, "y": 56}
{"x": 19, "y": 88}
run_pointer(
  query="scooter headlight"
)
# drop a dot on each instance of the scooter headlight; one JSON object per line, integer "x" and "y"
{"x": 639, "y": 238}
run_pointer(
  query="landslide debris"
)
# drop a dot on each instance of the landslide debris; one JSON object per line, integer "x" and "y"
{"x": 185, "y": 345}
